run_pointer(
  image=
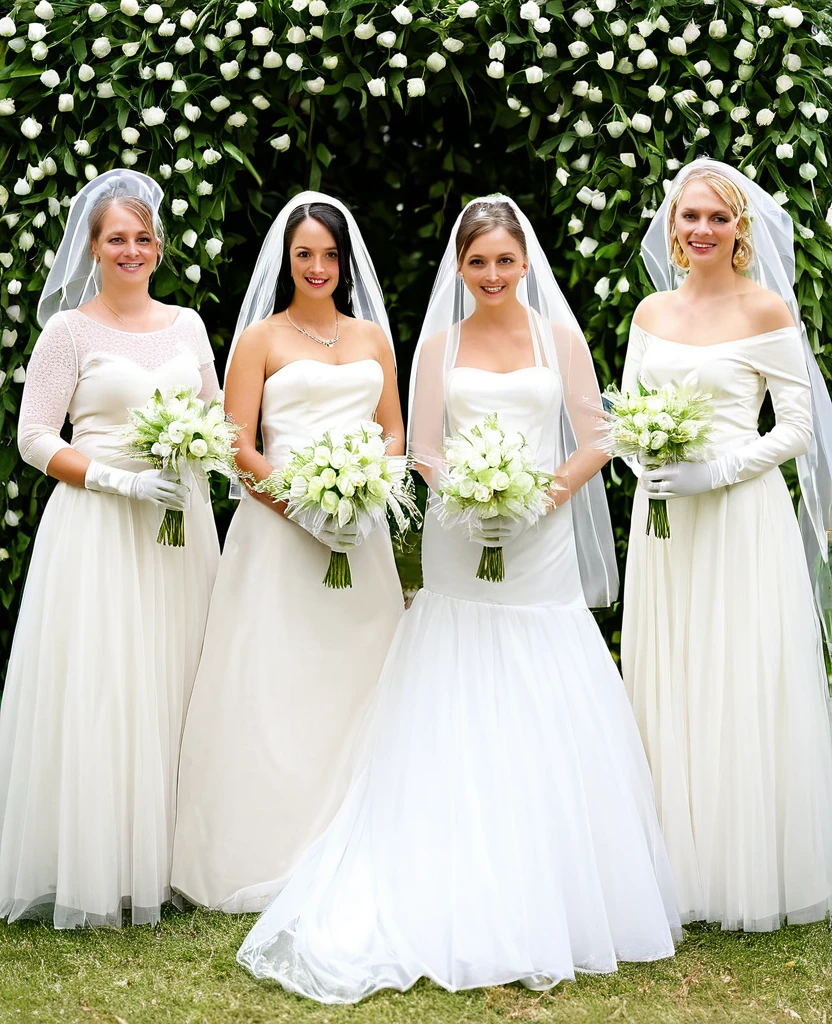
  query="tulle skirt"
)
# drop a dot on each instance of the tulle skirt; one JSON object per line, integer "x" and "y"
{"x": 722, "y": 658}
{"x": 101, "y": 669}
{"x": 500, "y": 825}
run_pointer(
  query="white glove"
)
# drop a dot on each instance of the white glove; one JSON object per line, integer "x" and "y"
{"x": 681, "y": 479}
{"x": 149, "y": 485}
{"x": 495, "y": 532}
{"x": 344, "y": 538}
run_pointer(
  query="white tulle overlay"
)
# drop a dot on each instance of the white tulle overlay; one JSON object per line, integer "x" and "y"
{"x": 722, "y": 657}
{"x": 287, "y": 669}
{"x": 106, "y": 646}
{"x": 500, "y": 824}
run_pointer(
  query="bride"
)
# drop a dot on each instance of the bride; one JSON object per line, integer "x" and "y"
{"x": 500, "y": 825}
{"x": 288, "y": 665}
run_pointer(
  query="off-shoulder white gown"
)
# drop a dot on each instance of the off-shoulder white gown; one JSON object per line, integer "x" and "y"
{"x": 721, "y": 651}
{"x": 288, "y": 667}
{"x": 107, "y": 641}
{"x": 501, "y": 823}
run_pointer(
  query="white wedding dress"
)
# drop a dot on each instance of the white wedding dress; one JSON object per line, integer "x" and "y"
{"x": 287, "y": 670}
{"x": 722, "y": 656}
{"x": 107, "y": 640}
{"x": 501, "y": 823}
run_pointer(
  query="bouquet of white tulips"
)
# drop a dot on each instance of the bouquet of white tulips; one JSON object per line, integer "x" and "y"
{"x": 344, "y": 478}
{"x": 670, "y": 424}
{"x": 178, "y": 428}
{"x": 491, "y": 472}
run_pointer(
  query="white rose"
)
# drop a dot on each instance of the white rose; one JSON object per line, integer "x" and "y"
{"x": 744, "y": 49}
{"x": 582, "y": 17}
{"x": 272, "y": 60}
{"x": 717, "y": 29}
{"x": 647, "y": 60}
{"x": 606, "y": 60}
{"x": 130, "y": 136}
{"x": 31, "y": 128}
{"x": 366, "y": 30}
{"x": 578, "y": 48}
{"x": 281, "y": 143}
{"x": 587, "y": 246}
{"x": 101, "y": 47}
{"x": 534, "y": 75}
{"x": 529, "y": 11}
{"x": 50, "y": 79}
{"x": 154, "y": 14}
{"x": 315, "y": 86}
{"x": 415, "y": 87}
{"x": 81, "y": 147}
{"x": 402, "y": 15}
{"x": 152, "y": 116}
{"x": 656, "y": 93}
{"x": 628, "y": 159}
{"x": 783, "y": 83}
{"x": 398, "y": 60}
{"x": 6, "y": 107}
{"x": 435, "y": 62}
{"x": 261, "y": 36}
{"x": 377, "y": 86}
{"x": 183, "y": 165}
{"x": 467, "y": 10}
{"x": 193, "y": 273}
{"x": 764, "y": 31}
{"x": 213, "y": 247}
{"x": 130, "y": 49}
{"x": 179, "y": 207}
{"x": 86, "y": 73}
{"x": 220, "y": 103}
{"x": 641, "y": 122}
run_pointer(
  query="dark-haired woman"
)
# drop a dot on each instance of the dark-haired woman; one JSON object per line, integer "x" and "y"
{"x": 288, "y": 665}
{"x": 500, "y": 825}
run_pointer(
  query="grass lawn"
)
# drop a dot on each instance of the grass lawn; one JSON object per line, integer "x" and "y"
{"x": 184, "y": 972}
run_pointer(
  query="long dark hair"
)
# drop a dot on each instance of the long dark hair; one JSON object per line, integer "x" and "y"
{"x": 336, "y": 223}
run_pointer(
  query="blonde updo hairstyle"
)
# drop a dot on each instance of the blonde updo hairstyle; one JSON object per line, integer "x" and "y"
{"x": 480, "y": 218}
{"x": 736, "y": 201}
{"x": 149, "y": 219}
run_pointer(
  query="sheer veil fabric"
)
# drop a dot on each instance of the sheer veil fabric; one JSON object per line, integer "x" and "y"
{"x": 773, "y": 267}
{"x": 558, "y": 344}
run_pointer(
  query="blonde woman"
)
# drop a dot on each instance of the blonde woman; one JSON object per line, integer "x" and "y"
{"x": 111, "y": 623}
{"x": 721, "y": 645}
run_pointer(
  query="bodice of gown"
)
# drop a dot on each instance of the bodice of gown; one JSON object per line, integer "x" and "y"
{"x": 736, "y": 374}
{"x": 541, "y": 564}
{"x": 306, "y": 397}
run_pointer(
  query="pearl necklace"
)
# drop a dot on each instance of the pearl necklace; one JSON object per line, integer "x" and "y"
{"x": 329, "y": 342}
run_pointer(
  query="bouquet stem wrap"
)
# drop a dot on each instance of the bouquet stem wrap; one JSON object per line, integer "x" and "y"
{"x": 338, "y": 575}
{"x": 492, "y": 565}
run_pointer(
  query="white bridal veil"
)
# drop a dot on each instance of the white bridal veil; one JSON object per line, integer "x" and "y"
{"x": 772, "y": 241}
{"x": 559, "y": 344}
{"x": 74, "y": 277}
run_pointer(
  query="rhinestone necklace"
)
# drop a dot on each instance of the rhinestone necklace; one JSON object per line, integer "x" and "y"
{"x": 329, "y": 342}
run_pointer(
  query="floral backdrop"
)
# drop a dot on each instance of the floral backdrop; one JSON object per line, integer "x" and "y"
{"x": 583, "y": 111}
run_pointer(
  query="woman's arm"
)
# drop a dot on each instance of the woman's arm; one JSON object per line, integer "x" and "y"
{"x": 389, "y": 410}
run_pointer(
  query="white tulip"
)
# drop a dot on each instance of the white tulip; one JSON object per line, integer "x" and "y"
{"x": 656, "y": 93}
{"x": 164, "y": 71}
{"x": 435, "y": 62}
{"x": 605, "y": 5}
{"x": 497, "y": 51}
{"x": 628, "y": 159}
{"x": 22, "y": 187}
{"x": 230, "y": 69}
{"x": 750, "y": 171}
{"x": 577, "y": 49}
{"x": 154, "y": 14}
{"x": 297, "y": 35}
{"x": 602, "y": 288}
{"x": 39, "y": 50}
{"x": 542, "y": 26}
{"x": 331, "y": 62}
{"x": 294, "y": 62}
{"x": 179, "y": 207}
{"x": 583, "y": 17}
{"x": 584, "y": 128}
{"x": 34, "y": 174}
{"x": 254, "y": 74}
{"x": 220, "y": 103}
{"x": 377, "y": 86}
{"x": 619, "y": 28}
{"x": 246, "y": 9}
{"x": 534, "y": 75}
{"x": 212, "y": 42}
{"x": 236, "y": 120}
{"x": 702, "y": 132}
{"x": 95, "y": 12}
{"x": 616, "y": 128}
{"x": 190, "y": 238}
{"x": 183, "y": 165}
{"x": 718, "y": 29}
{"x": 807, "y": 109}
{"x": 575, "y": 225}
{"x": 300, "y": 5}
{"x": 152, "y": 116}
{"x": 6, "y": 259}
{"x": 86, "y": 73}
{"x": 6, "y": 107}
{"x": 261, "y": 36}
{"x": 821, "y": 115}
{"x": 48, "y": 165}
{"x": 130, "y": 49}
{"x": 785, "y": 151}
{"x": 647, "y": 60}
{"x": 415, "y": 87}
{"x": 44, "y": 11}
{"x": 211, "y": 156}
{"x": 783, "y": 83}
{"x": 562, "y": 175}
{"x": 26, "y": 241}
{"x": 764, "y": 117}
{"x": 710, "y": 108}
{"x": 31, "y": 128}
{"x": 213, "y": 247}
{"x": 677, "y": 45}
{"x": 792, "y": 62}
{"x": 453, "y": 45}
{"x": 184, "y": 45}
{"x": 11, "y": 517}
{"x": 7, "y": 27}
{"x": 625, "y": 67}
{"x": 803, "y": 231}
{"x": 50, "y": 79}
{"x": 129, "y": 157}
{"x": 513, "y": 103}
{"x": 744, "y": 49}
{"x": 402, "y": 15}
{"x": 36, "y": 32}
{"x": 792, "y": 16}
{"x": 101, "y": 47}
{"x": 702, "y": 68}
{"x": 315, "y": 85}
{"x": 595, "y": 95}
{"x": 81, "y": 147}
{"x": 193, "y": 273}
{"x": 232, "y": 29}
{"x": 167, "y": 28}
{"x": 398, "y": 60}
{"x": 204, "y": 188}
{"x": 281, "y": 143}
{"x": 495, "y": 69}
{"x": 366, "y": 30}
{"x": 192, "y": 111}
{"x": 587, "y": 246}
{"x": 272, "y": 60}
{"x": 467, "y": 10}
{"x": 529, "y": 11}
{"x": 130, "y": 136}
{"x": 187, "y": 19}
{"x": 580, "y": 88}
{"x": 691, "y": 33}
{"x": 715, "y": 87}
{"x": 739, "y": 114}
{"x": 4, "y": 554}
{"x": 606, "y": 60}
{"x": 636, "y": 41}
{"x": 764, "y": 31}
{"x": 260, "y": 102}
{"x": 641, "y": 122}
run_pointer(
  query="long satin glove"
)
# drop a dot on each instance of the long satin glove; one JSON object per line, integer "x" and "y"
{"x": 496, "y": 532}
{"x": 684, "y": 479}
{"x": 148, "y": 485}
{"x": 341, "y": 538}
